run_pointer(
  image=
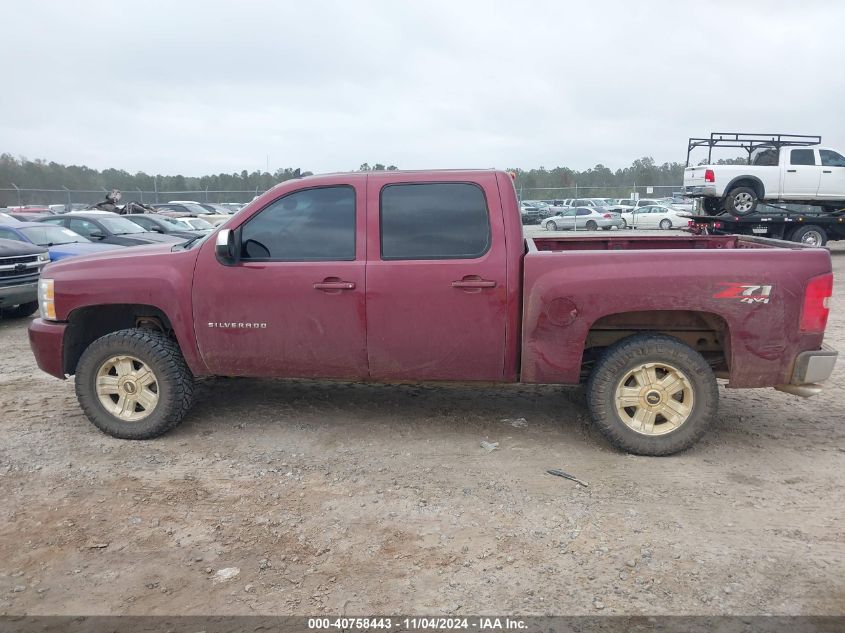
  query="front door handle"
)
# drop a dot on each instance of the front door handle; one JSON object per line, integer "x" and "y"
{"x": 333, "y": 283}
{"x": 827, "y": 171}
{"x": 791, "y": 171}
{"x": 473, "y": 282}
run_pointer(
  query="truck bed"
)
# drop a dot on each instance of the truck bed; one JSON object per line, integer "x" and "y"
{"x": 574, "y": 287}
{"x": 650, "y": 242}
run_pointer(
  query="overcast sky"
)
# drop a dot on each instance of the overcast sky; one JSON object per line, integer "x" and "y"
{"x": 207, "y": 87}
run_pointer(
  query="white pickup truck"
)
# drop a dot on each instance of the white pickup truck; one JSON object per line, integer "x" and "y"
{"x": 781, "y": 171}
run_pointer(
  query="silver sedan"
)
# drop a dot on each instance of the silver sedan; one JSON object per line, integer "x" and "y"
{"x": 586, "y": 218}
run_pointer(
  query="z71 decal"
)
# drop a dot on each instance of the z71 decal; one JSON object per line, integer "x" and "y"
{"x": 746, "y": 293}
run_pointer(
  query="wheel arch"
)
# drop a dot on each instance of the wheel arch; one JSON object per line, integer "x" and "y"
{"x": 706, "y": 332}
{"x": 747, "y": 181}
{"x": 87, "y": 324}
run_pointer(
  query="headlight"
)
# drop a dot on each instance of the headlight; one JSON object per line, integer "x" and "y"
{"x": 43, "y": 257}
{"x": 47, "y": 299}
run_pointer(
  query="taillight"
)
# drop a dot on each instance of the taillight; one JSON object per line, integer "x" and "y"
{"x": 816, "y": 303}
{"x": 709, "y": 176}
{"x": 607, "y": 216}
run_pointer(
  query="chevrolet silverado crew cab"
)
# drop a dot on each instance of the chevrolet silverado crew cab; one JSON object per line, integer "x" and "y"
{"x": 781, "y": 168}
{"x": 426, "y": 276}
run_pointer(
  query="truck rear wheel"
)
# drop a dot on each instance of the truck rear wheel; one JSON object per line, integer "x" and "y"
{"x": 650, "y": 394}
{"x": 134, "y": 384}
{"x": 741, "y": 201}
{"x": 811, "y": 235}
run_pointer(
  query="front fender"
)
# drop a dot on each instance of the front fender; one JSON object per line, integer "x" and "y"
{"x": 146, "y": 276}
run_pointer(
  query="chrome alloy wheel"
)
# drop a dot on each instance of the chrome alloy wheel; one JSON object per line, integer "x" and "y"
{"x": 654, "y": 398}
{"x": 743, "y": 202}
{"x": 127, "y": 388}
{"x": 812, "y": 238}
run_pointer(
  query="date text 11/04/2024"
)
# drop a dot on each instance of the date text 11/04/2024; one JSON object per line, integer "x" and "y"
{"x": 418, "y": 623}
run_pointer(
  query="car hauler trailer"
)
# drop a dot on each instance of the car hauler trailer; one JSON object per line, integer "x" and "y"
{"x": 812, "y": 227}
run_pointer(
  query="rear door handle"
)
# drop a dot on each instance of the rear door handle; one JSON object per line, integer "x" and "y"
{"x": 791, "y": 171}
{"x": 328, "y": 284}
{"x": 827, "y": 171}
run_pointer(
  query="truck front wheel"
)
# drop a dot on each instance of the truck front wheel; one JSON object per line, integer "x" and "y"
{"x": 650, "y": 394}
{"x": 134, "y": 384}
{"x": 741, "y": 201}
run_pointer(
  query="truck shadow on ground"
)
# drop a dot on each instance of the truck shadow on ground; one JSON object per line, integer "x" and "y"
{"x": 542, "y": 413}
{"x": 428, "y": 408}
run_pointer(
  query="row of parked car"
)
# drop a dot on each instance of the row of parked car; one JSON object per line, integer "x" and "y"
{"x": 30, "y": 237}
{"x": 606, "y": 213}
{"x": 212, "y": 212}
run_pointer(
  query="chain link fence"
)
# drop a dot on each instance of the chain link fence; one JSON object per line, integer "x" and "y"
{"x": 576, "y": 191}
{"x": 17, "y": 196}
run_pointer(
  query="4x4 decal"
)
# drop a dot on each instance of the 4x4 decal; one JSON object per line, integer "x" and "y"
{"x": 746, "y": 293}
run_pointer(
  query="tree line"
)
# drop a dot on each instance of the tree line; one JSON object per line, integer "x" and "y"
{"x": 598, "y": 181}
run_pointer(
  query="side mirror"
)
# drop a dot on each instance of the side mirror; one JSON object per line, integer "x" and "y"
{"x": 224, "y": 247}
{"x": 96, "y": 235}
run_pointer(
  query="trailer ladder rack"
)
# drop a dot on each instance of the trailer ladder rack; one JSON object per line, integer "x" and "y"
{"x": 749, "y": 142}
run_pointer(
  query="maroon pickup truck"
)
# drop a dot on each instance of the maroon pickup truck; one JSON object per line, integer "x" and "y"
{"x": 426, "y": 276}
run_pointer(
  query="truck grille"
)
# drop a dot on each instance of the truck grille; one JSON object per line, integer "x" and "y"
{"x": 16, "y": 270}
{"x": 25, "y": 259}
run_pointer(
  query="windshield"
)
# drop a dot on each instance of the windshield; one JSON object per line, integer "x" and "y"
{"x": 195, "y": 208}
{"x": 169, "y": 221}
{"x": 52, "y": 235}
{"x": 199, "y": 223}
{"x": 120, "y": 226}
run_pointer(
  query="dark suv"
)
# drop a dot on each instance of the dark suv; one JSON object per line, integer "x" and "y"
{"x": 20, "y": 266}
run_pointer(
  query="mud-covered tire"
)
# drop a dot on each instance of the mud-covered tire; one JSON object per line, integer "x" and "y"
{"x": 741, "y": 201}
{"x": 20, "y": 311}
{"x": 161, "y": 354}
{"x": 809, "y": 234}
{"x": 642, "y": 350}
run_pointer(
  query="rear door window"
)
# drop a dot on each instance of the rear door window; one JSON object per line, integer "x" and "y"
{"x": 434, "y": 221}
{"x": 831, "y": 158}
{"x": 803, "y": 157}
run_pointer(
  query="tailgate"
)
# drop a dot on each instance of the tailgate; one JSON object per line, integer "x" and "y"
{"x": 694, "y": 176}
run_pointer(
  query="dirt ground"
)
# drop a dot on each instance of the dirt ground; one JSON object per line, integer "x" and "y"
{"x": 361, "y": 499}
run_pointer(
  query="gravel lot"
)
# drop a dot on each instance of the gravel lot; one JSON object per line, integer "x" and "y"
{"x": 308, "y": 497}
